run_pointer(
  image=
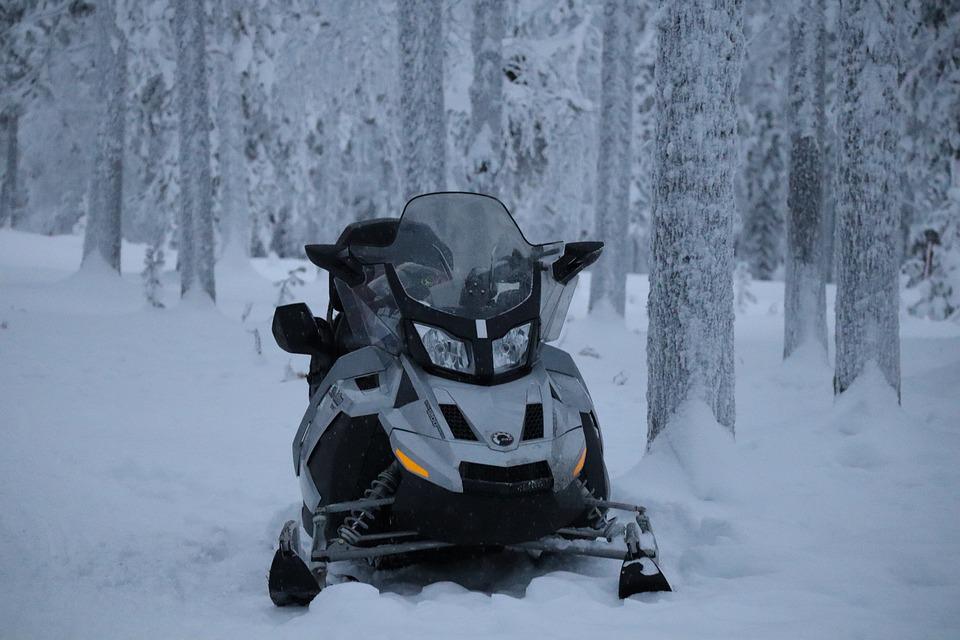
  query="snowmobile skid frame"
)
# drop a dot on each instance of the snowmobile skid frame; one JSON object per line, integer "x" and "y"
{"x": 302, "y": 581}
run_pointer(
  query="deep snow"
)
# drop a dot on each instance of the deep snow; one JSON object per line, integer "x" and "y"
{"x": 145, "y": 472}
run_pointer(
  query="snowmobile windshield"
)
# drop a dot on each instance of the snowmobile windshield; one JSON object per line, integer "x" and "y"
{"x": 462, "y": 254}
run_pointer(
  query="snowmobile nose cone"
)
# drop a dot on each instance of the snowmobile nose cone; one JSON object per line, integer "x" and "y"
{"x": 641, "y": 575}
{"x": 291, "y": 582}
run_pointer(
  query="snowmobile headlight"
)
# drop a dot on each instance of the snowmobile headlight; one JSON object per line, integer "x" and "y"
{"x": 444, "y": 350}
{"x": 510, "y": 350}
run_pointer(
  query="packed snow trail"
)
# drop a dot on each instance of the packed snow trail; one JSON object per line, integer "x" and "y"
{"x": 145, "y": 471}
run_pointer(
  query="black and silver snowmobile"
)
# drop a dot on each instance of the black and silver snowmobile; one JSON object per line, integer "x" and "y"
{"x": 440, "y": 419}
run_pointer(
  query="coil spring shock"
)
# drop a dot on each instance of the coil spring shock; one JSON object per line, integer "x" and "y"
{"x": 595, "y": 517}
{"x": 359, "y": 520}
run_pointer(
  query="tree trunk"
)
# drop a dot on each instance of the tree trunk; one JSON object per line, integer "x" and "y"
{"x": 805, "y": 307}
{"x": 235, "y": 210}
{"x": 690, "y": 340}
{"x": 486, "y": 96}
{"x": 196, "y": 186}
{"x": 105, "y": 208}
{"x": 868, "y": 292}
{"x": 829, "y": 154}
{"x": 423, "y": 119}
{"x": 609, "y": 280}
{"x": 824, "y": 139}
{"x": 10, "y": 126}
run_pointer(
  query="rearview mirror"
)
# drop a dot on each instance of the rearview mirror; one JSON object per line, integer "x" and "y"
{"x": 337, "y": 260}
{"x": 296, "y": 331}
{"x": 576, "y": 257}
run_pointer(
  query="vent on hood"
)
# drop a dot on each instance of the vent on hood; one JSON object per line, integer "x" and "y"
{"x": 459, "y": 426}
{"x": 533, "y": 422}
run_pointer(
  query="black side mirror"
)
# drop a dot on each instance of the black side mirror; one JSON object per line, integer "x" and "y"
{"x": 576, "y": 257}
{"x": 336, "y": 259}
{"x": 296, "y": 331}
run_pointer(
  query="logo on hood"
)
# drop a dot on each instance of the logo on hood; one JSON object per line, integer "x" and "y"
{"x": 502, "y": 439}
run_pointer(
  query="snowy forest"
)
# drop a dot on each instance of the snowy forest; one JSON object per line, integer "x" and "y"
{"x": 311, "y": 115}
{"x": 771, "y": 335}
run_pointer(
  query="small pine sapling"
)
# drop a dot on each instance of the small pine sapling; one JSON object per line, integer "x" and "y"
{"x": 153, "y": 262}
{"x": 247, "y": 308}
{"x": 257, "y": 342}
{"x": 933, "y": 265}
{"x": 286, "y": 285}
{"x": 741, "y": 285}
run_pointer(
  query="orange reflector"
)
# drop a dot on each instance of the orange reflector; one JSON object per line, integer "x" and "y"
{"x": 412, "y": 466}
{"x": 583, "y": 459}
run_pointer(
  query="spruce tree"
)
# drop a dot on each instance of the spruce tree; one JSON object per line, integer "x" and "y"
{"x": 761, "y": 239}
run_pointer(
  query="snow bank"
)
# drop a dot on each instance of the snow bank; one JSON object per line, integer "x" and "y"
{"x": 702, "y": 448}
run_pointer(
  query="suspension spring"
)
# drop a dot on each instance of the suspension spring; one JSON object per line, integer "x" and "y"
{"x": 359, "y": 520}
{"x": 595, "y": 517}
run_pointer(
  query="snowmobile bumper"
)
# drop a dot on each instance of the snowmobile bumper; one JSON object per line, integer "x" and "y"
{"x": 487, "y": 513}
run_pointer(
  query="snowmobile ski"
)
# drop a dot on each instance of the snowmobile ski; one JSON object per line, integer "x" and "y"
{"x": 641, "y": 575}
{"x": 291, "y": 581}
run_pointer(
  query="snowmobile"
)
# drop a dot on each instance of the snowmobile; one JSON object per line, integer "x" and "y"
{"x": 440, "y": 419}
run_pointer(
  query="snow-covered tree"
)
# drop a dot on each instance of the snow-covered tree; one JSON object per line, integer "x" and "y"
{"x": 196, "y": 187}
{"x": 151, "y": 168}
{"x": 690, "y": 339}
{"x": 16, "y": 72}
{"x": 485, "y": 145}
{"x": 934, "y": 267}
{"x": 10, "y": 156}
{"x": 823, "y": 91}
{"x": 805, "y": 307}
{"x": 761, "y": 179}
{"x": 101, "y": 240}
{"x": 153, "y": 262}
{"x": 761, "y": 239}
{"x": 320, "y": 93}
{"x": 642, "y": 141}
{"x": 232, "y": 169}
{"x": 422, "y": 114}
{"x": 31, "y": 31}
{"x": 868, "y": 242}
{"x": 930, "y": 193}
{"x": 552, "y": 96}
{"x": 361, "y": 171}
{"x": 609, "y": 282}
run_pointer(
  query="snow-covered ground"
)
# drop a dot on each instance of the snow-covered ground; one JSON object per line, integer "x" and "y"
{"x": 145, "y": 472}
